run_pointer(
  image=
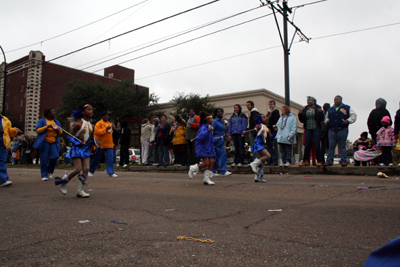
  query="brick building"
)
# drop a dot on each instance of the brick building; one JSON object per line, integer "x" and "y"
{"x": 32, "y": 85}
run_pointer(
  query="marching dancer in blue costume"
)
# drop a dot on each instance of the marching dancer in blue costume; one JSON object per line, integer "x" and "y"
{"x": 80, "y": 150}
{"x": 259, "y": 146}
{"x": 221, "y": 159}
{"x": 204, "y": 148}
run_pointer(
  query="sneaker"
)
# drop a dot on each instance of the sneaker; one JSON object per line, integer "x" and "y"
{"x": 239, "y": 165}
{"x": 215, "y": 174}
{"x": 390, "y": 164}
{"x": 381, "y": 164}
{"x": 262, "y": 181}
{"x": 112, "y": 175}
{"x": 287, "y": 164}
{"x": 7, "y": 183}
{"x": 117, "y": 165}
{"x": 226, "y": 173}
{"x": 44, "y": 179}
{"x": 125, "y": 165}
{"x": 255, "y": 178}
{"x": 233, "y": 164}
{"x": 50, "y": 176}
{"x": 90, "y": 174}
{"x": 281, "y": 165}
{"x": 155, "y": 164}
{"x": 343, "y": 164}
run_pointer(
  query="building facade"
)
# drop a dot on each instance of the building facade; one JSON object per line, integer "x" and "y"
{"x": 32, "y": 85}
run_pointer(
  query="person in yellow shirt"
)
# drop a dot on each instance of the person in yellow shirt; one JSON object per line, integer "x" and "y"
{"x": 179, "y": 140}
{"x": 6, "y": 132}
{"x": 48, "y": 143}
{"x": 103, "y": 136}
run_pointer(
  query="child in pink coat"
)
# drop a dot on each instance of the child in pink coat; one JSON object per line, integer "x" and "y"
{"x": 386, "y": 141}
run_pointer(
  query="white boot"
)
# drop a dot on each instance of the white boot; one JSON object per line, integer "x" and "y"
{"x": 63, "y": 187}
{"x": 80, "y": 192}
{"x": 254, "y": 165}
{"x": 193, "y": 170}
{"x": 207, "y": 176}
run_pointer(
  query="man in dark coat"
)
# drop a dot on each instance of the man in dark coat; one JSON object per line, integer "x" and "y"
{"x": 375, "y": 118}
{"x": 125, "y": 142}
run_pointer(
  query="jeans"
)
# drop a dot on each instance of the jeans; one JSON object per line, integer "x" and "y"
{"x": 272, "y": 148}
{"x": 97, "y": 157}
{"x": 3, "y": 164}
{"x": 286, "y": 152}
{"x": 251, "y": 141}
{"x": 386, "y": 154}
{"x": 324, "y": 146}
{"x": 221, "y": 159}
{"x": 337, "y": 138}
{"x": 48, "y": 158}
{"x": 238, "y": 140}
{"x": 152, "y": 149}
{"x": 313, "y": 136}
{"x": 163, "y": 155}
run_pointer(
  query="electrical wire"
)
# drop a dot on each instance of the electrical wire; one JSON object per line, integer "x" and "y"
{"x": 208, "y": 34}
{"x": 108, "y": 30}
{"x": 172, "y": 37}
{"x": 41, "y": 42}
{"x": 269, "y": 48}
{"x": 141, "y": 27}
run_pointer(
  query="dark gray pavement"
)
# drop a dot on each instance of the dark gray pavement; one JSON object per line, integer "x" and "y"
{"x": 325, "y": 220}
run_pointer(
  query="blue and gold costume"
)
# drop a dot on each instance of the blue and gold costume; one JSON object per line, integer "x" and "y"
{"x": 259, "y": 142}
{"x": 77, "y": 150}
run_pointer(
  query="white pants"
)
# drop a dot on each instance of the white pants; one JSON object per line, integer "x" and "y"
{"x": 145, "y": 151}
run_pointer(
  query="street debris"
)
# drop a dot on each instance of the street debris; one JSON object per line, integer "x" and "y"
{"x": 275, "y": 210}
{"x": 180, "y": 238}
{"x": 382, "y": 175}
{"x": 170, "y": 210}
{"x": 118, "y": 222}
{"x": 85, "y": 221}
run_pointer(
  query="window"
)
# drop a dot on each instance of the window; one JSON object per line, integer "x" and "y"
{"x": 110, "y": 75}
{"x": 8, "y": 91}
{"x": 22, "y": 102}
{"x": 22, "y": 88}
{"x": 23, "y": 73}
{"x": 6, "y": 106}
{"x": 20, "y": 117}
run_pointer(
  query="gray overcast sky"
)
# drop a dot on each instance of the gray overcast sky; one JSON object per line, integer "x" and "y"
{"x": 361, "y": 66}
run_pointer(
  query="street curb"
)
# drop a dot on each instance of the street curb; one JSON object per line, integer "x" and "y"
{"x": 331, "y": 170}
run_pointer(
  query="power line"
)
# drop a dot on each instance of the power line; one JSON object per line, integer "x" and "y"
{"x": 141, "y": 27}
{"x": 174, "y": 36}
{"x": 41, "y": 42}
{"x": 269, "y": 48}
{"x": 361, "y": 30}
{"x": 108, "y": 30}
{"x": 208, "y": 34}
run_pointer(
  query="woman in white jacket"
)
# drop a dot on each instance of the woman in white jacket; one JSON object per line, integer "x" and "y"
{"x": 286, "y": 135}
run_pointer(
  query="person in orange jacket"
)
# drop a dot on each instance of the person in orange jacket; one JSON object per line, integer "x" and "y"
{"x": 7, "y": 132}
{"x": 103, "y": 136}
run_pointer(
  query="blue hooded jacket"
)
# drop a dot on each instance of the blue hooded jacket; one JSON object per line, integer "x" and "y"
{"x": 287, "y": 127}
{"x": 204, "y": 142}
{"x": 237, "y": 122}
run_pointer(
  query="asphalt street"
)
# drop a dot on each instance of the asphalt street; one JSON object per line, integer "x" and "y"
{"x": 135, "y": 219}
